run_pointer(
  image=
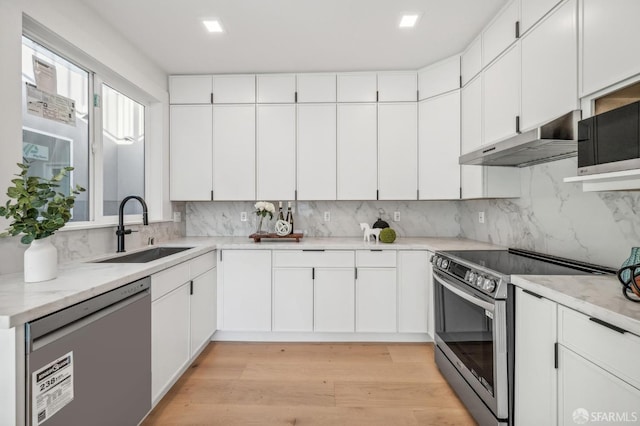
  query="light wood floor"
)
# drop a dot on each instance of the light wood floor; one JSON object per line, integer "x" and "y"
{"x": 312, "y": 384}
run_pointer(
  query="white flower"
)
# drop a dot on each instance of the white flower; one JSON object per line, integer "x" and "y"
{"x": 270, "y": 207}
{"x": 260, "y": 205}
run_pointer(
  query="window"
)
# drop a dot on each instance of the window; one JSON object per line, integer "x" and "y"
{"x": 62, "y": 105}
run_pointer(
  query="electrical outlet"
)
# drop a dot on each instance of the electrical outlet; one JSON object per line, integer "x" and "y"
{"x": 396, "y": 216}
{"x": 327, "y": 216}
{"x": 177, "y": 217}
{"x": 243, "y": 216}
{"x": 480, "y": 217}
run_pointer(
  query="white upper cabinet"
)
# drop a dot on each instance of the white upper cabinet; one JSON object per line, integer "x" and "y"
{"x": 190, "y": 152}
{"x": 610, "y": 34}
{"x": 357, "y": 87}
{"x": 501, "y": 98}
{"x": 316, "y": 87}
{"x": 234, "y": 89}
{"x": 439, "y": 78}
{"x": 439, "y": 147}
{"x": 398, "y": 151}
{"x": 550, "y": 67}
{"x": 500, "y": 33}
{"x": 276, "y": 152}
{"x": 471, "y": 115}
{"x": 276, "y": 88}
{"x": 490, "y": 182}
{"x": 234, "y": 152}
{"x": 397, "y": 86}
{"x": 357, "y": 152}
{"x": 316, "y": 165}
{"x": 471, "y": 61}
{"x": 532, "y": 10}
{"x": 190, "y": 89}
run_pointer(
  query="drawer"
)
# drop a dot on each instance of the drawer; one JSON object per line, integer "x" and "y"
{"x": 165, "y": 281}
{"x": 311, "y": 258}
{"x": 613, "y": 351}
{"x": 376, "y": 258}
{"x": 202, "y": 264}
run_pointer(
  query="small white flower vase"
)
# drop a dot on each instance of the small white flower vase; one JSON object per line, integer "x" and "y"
{"x": 40, "y": 261}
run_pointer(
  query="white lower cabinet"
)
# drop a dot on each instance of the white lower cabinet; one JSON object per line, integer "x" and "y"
{"x": 334, "y": 300}
{"x": 376, "y": 300}
{"x": 183, "y": 318}
{"x": 415, "y": 298}
{"x": 246, "y": 292}
{"x": 293, "y": 299}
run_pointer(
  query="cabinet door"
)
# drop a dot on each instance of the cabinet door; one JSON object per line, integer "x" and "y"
{"x": 471, "y": 182}
{"x": 490, "y": 182}
{"x": 276, "y": 152}
{"x": 190, "y": 89}
{"x": 439, "y": 147}
{"x": 234, "y": 89}
{"x": 500, "y": 33}
{"x": 439, "y": 78}
{"x": 471, "y": 115}
{"x": 316, "y": 87}
{"x": 550, "y": 68}
{"x": 532, "y": 10}
{"x": 234, "y": 152}
{"x": 334, "y": 300}
{"x": 357, "y": 152}
{"x": 398, "y": 151}
{"x": 501, "y": 98}
{"x": 471, "y": 61}
{"x": 203, "y": 309}
{"x": 293, "y": 299}
{"x": 587, "y": 392}
{"x": 170, "y": 346}
{"x": 413, "y": 292}
{"x": 376, "y": 300}
{"x": 191, "y": 169}
{"x": 276, "y": 88}
{"x": 535, "y": 374}
{"x": 610, "y": 31}
{"x": 397, "y": 87}
{"x": 316, "y": 152}
{"x": 246, "y": 290}
{"x": 357, "y": 87}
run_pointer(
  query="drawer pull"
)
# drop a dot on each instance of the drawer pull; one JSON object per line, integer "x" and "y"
{"x": 312, "y": 249}
{"x": 532, "y": 294}
{"x": 606, "y": 324}
{"x": 375, "y": 250}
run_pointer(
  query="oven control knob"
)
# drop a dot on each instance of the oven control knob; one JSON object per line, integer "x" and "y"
{"x": 472, "y": 277}
{"x": 445, "y": 263}
{"x": 489, "y": 285}
{"x": 438, "y": 261}
{"x": 479, "y": 281}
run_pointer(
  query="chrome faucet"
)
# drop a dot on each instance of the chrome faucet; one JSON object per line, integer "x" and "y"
{"x": 121, "y": 231}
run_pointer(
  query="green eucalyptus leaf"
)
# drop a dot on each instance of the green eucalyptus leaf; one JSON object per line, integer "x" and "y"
{"x": 27, "y": 239}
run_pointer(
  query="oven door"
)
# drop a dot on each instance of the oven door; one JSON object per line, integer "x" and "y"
{"x": 471, "y": 331}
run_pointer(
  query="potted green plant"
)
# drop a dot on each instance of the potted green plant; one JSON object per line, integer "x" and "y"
{"x": 37, "y": 210}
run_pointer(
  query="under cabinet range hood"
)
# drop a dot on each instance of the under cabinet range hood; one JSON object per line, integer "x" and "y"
{"x": 554, "y": 140}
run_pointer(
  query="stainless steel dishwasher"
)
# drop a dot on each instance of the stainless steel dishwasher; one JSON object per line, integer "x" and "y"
{"x": 90, "y": 363}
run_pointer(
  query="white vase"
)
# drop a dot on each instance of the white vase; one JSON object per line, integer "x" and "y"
{"x": 40, "y": 261}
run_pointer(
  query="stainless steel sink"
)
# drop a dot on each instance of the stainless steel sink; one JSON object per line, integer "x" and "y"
{"x": 145, "y": 256}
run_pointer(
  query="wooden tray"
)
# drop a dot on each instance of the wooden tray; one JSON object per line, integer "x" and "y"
{"x": 258, "y": 237}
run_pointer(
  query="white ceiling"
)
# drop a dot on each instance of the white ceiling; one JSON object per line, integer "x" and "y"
{"x": 296, "y": 35}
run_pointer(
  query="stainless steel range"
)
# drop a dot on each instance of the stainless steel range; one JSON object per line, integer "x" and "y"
{"x": 474, "y": 322}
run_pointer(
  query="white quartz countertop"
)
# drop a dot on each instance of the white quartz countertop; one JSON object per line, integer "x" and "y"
{"x": 21, "y": 302}
{"x": 598, "y": 296}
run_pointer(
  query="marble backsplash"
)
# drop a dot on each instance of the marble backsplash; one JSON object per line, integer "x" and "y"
{"x": 558, "y": 218}
{"x": 417, "y": 218}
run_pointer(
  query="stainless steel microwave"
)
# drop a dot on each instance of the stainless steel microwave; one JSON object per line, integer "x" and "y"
{"x": 610, "y": 141}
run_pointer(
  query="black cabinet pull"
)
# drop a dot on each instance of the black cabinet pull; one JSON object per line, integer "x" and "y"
{"x": 313, "y": 273}
{"x": 312, "y": 249}
{"x": 191, "y": 287}
{"x": 532, "y": 294}
{"x": 517, "y": 124}
{"x": 606, "y": 324}
{"x": 356, "y": 273}
{"x": 555, "y": 355}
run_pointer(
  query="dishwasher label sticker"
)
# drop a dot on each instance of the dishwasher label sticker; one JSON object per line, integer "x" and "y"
{"x": 52, "y": 388}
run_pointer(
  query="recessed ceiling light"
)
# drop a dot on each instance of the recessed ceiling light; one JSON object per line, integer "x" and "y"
{"x": 213, "y": 26}
{"x": 409, "y": 20}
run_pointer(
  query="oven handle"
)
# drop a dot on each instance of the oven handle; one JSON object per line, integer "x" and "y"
{"x": 466, "y": 296}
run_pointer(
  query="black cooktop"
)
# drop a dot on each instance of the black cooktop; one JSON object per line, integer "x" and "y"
{"x": 522, "y": 262}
